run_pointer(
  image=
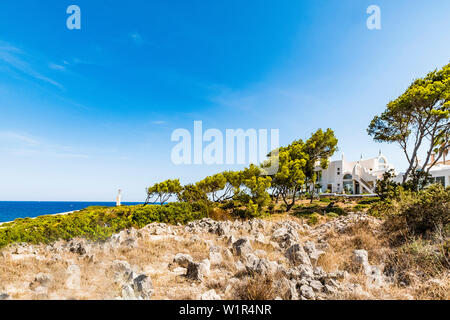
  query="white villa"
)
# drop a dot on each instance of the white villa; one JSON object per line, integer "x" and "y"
{"x": 359, "y": 177}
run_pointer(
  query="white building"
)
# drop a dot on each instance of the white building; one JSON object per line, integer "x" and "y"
{"x": 358, "y": 177}
{"x": 353, "y": 177}
{"x": 440, "y": 172}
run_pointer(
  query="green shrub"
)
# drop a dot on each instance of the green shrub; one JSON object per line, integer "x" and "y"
{"x": 360, "y": 207}
{"x": 369, "y": 200}
{"x": 326, "y": 200}
{"x": 96, "y": 223}
{"x": 417, "y": 212}
{"x": 313, "y": 219}
{"x": 338, "y": 210}
{"x": 332, "y": 215}
{"x": 429, "y": 211}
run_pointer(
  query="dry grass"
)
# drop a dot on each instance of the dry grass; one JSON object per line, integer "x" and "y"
{"x": 435, "y": 290}
{"x": 412, "y": 263}
{"x": 256, "y": 288}
{"x": 341, "y": 247}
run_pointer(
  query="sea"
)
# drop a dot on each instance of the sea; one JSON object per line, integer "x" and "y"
{"x": 11, "y": 210}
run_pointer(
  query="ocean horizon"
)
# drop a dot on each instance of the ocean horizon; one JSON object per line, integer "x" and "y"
{"x": 11, "y": 210}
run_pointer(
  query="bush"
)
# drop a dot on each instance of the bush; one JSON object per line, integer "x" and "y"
{"x": 313, "y": 219}
{"x": 430, "y": 211}
{"x": 338, "y": 210}
{"x": 369, "y": 200}
{"x": 332, "y": 215}
{"x": 96, "y": 223}
{"x": 417, "y": 213}
{"x": 360, "y": 207}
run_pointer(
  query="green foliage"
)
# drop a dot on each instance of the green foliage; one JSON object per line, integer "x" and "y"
{"x": 162, "y": 191}
{"x": 417, "y": 212}
{"x": 302, "y": 210}
{"x": 338, "y": 210}
{"x": 297, "y": 164}
{"x": 360, "y": 207}
{"x": 429, "y": 211}
{"x": 369, "y": 200}
{"x": 221, "y": 186}
{"x": 96, "y": 223}
{"x": 386, "y": 188}
{"x": 254, "y": 193}
{"x": 420, "y": 115}
{"x": 212, "y": 185}
{"x": 290, "y": 176}
{"x": 313, "y": 219}
{"x": 319, "y": 148}
{"x": 332, "y": 215}
{"x": 192, "y": 193}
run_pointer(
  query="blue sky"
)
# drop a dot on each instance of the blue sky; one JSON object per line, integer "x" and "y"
{"x": 85, "y": 112}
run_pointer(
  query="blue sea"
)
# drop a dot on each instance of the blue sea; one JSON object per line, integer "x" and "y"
{"x": 11, "y": 210}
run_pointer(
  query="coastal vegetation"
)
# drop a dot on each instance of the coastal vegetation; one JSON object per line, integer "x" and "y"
{"x": 96, "y": 223}
{"x": 418, "y": 119}
{"x": 405, "y": 229}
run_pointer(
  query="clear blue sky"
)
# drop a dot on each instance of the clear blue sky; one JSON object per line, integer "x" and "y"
{"x": 85, "y": 112}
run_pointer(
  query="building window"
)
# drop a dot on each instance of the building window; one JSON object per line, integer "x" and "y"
{"x": 348, "y": 187}
{"x": 440, "y": 180}
{"x": 348, "y": 176}
{"x": 381, "y": 164}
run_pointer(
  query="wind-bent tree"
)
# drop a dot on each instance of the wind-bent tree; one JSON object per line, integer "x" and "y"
{"x": 254, "y": 189}
{"x": 213, "y": 185}
{"x": 290, "y": 176}
{"x": 234, "y": 182}
{"x": 191, "y": 193}
{"x": 221, "y": 186}
{"x": 419, "y": 118}
{"x": 297, "y": 163}
{"x": 161, "y": 192}
{"x": 319, "y": 148}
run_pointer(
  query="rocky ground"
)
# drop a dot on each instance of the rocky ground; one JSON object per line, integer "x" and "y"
{"x": 277, "y": 258}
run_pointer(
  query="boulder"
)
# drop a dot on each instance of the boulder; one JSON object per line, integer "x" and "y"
{"x": 222, "y": 228}
{"x": 77, "y": 246}
{"x": 313, "y": 253}
{"x": 285, "y": 236}
{"x": 361, "y": 260}
{"x": 210, "y": 295}
{"x": 126, "y": 238}
{"x": 4, "y": 296}
{"x": 123, "y": 273}
{"x": 297, "y": 255}
{"x": 128, "y": 292}
{"x": 255, "y": 265}
{"x": 305, "y": 271}
{"x": 329, "y": 289}
{"x": 143, "y": 286}
{"x": 316, "y": 285}
{"x": 73, "y": 280}
{"x": 242, "y": 247}
{"x": 197, "y": 271}
{"x": 41, "y": 280}
{"x": 215, "y": 257}
{"x": 182, "y": 260}
{"x": 307, "y": 292}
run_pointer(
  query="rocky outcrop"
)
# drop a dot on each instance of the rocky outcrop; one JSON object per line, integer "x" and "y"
{"x": 4, "y": 296}
{"x": 197, "y": 271}
{"x": 205, "y": 259}
{"x": 242, "y": 247}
